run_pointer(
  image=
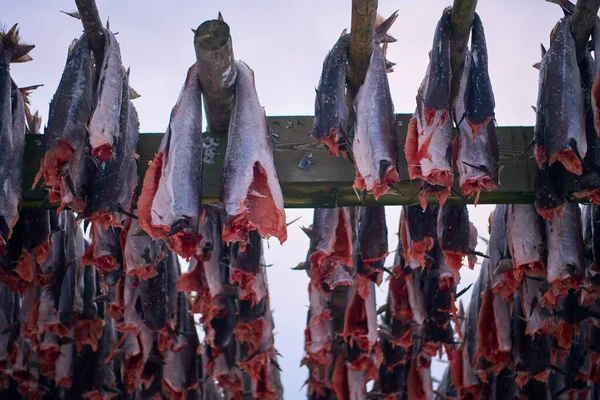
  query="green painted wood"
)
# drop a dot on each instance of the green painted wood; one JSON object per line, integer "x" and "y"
{"x": 328, "y": 182}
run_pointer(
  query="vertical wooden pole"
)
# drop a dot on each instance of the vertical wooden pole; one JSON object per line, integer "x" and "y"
{"x": 92, "y": 26}
{"x": 462, "y": 19}
{"x": 214, "y": 53}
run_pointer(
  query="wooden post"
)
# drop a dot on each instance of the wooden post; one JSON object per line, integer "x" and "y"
{"x": 462, "y": 19}
{"x": 364, "y": 14}
{"x": 584, "y": 16}
{"x": 92, "y": 26}
{"x": 214, "y": 53}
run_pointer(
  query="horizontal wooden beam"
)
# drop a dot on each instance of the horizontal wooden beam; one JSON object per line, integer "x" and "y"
{"x": 328, "y": 181}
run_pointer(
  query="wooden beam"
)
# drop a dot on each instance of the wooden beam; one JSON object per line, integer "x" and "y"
{"x": 462, "y": 19}
{"x": 584, "y": 16}
{"x": 214, "y": 53}
{"x": 364, "y": 15}
{"x": 93, "y": 28}
{"x": 328, "y": 181}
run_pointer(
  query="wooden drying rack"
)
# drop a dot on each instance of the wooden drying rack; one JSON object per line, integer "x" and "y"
{"x": 327, "y": 182}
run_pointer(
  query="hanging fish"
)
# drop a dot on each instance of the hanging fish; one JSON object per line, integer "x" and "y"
{"x": 65, "y": 135}
{"x": 115, "y": 182}
{"x": 455, "y": 235}
{"x": 550, "y": 190}
{"x": 12, "y": 132}
{"x": 141, "y": 254}
{"x": 163, "y": 211}
{"x": 477, "y": 158}
{"x": 588, "y": 183}
{"x": 503, "y": 278}
{"x": 566, "y": 264}
{"x": 428, "y": 147}
{"x": 331, "y": 111}
{"x": 105, "y": 250}
{"x": 104, "y": 121}
{"x": 104, "y": 379}
{"x": 525, "y": 240}
{"x": 417, "y": 232}
{"x": 250, "y": 188}
{"x": 330, "y": 242}
{"x": 374, "y": 146}
{"x": 246, "y": 269}
{"x": 372, "y": 239}
{"x": 560, "y": 123}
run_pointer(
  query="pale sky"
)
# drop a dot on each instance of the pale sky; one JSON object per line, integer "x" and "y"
{"x": 285, "y": 43}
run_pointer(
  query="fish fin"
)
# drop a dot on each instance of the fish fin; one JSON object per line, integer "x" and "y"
{"x": 344, "y": 32}
{"x": 11, "y": 41}
{"x": 291, "y": 222}
{"x": 308, "y": 231}
{"x": 534, "y": 108}
{"x": 529, "y": 146}
{"x": 178, "y": 226}
{"x": 74, "y": 14}
{"x": 220, "y": 17}
{"x": 537, "y": 65}
{"x": 301, "y": 267}
{"x": 542, "y": 50}
{"x": 567, "y": 7}
{"x": 481, "y": 168}
{"x": 133, "y": 94}
{"x": 389, "y": 66}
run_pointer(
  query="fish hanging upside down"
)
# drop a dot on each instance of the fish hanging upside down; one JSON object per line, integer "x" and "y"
{"x": 375, "y": 147}
{"x": 250, "y": 188}
{"x": 169, "y": 206}
{"x": 428, "y": 147}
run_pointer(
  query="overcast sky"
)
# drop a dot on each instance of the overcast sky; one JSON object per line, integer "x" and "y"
{"x": 285, "y": 43}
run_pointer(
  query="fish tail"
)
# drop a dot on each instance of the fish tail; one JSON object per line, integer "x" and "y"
{"x": 383, "y": 26}
{"x": 11, "y": 42}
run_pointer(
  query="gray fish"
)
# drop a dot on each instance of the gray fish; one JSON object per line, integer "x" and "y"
{"x": 330, "y": 242}
{"x": 560, "y": 125}
{"x": 158, "y": 295}
{"x": 166, "y": 212}
{"x": 70, "y": 110}
{"x": 104, "y": 121}
{"x": 331, "y": 111}
{"x": 250, "y": 189}
{"x": 141, "y": 253}
{"x": 428, "y": 147}
{"x": 525, "y": 239}
{"x": 12, "y": 133}
{"x": 374, "y": 147}
{"x": 478, "y": 153}
{"x": 105, "y": 250}
{"x": 417, "y": 233}
{"x": 114, "y": 183}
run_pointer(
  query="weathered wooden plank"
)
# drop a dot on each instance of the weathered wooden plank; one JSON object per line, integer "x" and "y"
{"x": 328, "y": 181}
{"x": 584, "y": 16}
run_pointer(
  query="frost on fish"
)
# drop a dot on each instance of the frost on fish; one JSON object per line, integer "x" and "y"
{"x": 250, "y": 188}
{"x": 104, "y": 121}
{"x": 331, "y": 111}
{"x": 65, "y": 136}
{"x": 170, "y": 203}
{"x": 477, "y": 155}
{"x": 560, "y": 129}
{"x": 330, "y": 243}
{"x": 428, "y": 147}
{"x": 112, "y": 190}
{"x": 566, "y": 263}
{"x": 417, "y": 232}
{"x": 375, "y": 147}
{"x": 12, "y": 132}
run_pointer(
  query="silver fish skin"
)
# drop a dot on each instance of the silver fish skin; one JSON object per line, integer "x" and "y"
{"x": 331, "y": 111}
{"x": 18, "y": 151}
{"x": 69, "y": 113}
{"x": 374, "y": 146}
{"x": 428, "y": 147}
{"x": 478, "y": 151}
{"x": 104, "y": 121}
{"x": 320, "y": 332}
{"x": 250, "y": 188}
{"x": 525, "y": 239}
{"x": 566, "y": 263}
{"x": 114, "y": 183}
{"x": 172, "y": 208}
{"x": 141, "y": 252}
{"x": 562, "y": 103}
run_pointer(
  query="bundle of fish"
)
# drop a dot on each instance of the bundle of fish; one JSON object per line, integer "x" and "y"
{"x": 566, "y": 132}
{"x": 12, "y": 132}
{"x": 531, "y": 326}
{"x": 373, "y": 146}
{"x": 431, "y": 153}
